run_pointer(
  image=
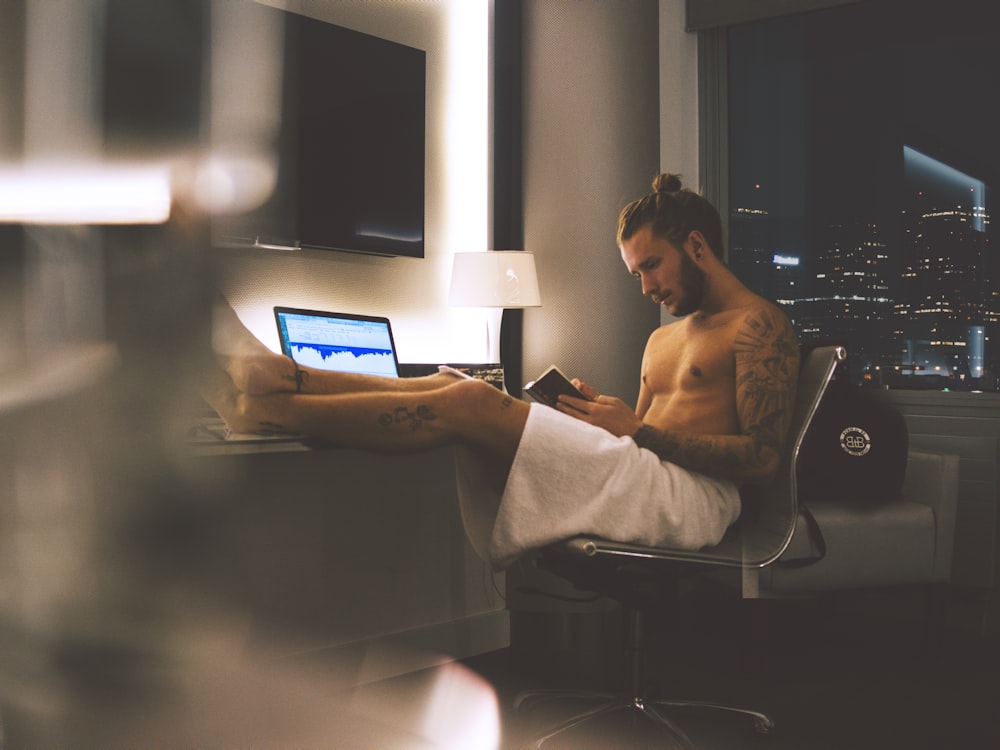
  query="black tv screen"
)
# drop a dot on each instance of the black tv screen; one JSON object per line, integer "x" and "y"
{"x": 351, "y": 151}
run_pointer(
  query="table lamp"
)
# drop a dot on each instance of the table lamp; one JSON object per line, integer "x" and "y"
{"x": 496, "y": 279}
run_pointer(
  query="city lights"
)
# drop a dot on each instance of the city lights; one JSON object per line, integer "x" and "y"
{"x": 918, "y": 304}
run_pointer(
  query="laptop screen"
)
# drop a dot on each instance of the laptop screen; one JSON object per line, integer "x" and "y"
{"x": 337, "y": 341}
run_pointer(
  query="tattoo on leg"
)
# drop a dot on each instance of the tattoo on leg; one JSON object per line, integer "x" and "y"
{"x": 402, "y": 415}
{"x": 299, "y": 377}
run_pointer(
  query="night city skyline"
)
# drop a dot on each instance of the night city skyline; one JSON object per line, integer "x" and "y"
{"x": 861, "y": 159}
{"x": 926, "y": 306}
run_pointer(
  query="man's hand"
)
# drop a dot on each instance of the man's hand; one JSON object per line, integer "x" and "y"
{"x": 585, "y": 389}
{"x": 611, "y": 413}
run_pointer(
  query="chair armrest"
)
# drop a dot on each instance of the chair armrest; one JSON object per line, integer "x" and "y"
{"x": 932, "y": 480}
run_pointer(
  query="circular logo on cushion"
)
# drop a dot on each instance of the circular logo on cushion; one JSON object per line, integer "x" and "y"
{"x": 855, "y": 441}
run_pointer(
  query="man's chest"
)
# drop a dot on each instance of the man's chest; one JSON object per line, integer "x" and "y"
{"x": 689, "y": 359}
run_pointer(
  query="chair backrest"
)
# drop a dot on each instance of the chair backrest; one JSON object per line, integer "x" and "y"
{"x": 761, "y": 536}
{"x": 764, "y": 539}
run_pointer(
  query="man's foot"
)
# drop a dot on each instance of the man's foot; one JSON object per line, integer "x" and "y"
{"x": 223, "y": 396}
{"x": 253, "y": 367}
{"x": 263, "y": 374}
{"x": 242, "y": 413}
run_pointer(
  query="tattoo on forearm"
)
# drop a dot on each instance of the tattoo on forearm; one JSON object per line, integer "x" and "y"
{"x": 716, "y": 455}
{"x": 648, "y": 437}
{"x": 402, "y": 415}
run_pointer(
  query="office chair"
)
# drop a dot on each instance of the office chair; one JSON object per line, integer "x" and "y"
{"x": 635, "y": 575}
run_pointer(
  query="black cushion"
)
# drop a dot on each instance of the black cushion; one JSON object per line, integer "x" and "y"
{"x": 855, "y": 449}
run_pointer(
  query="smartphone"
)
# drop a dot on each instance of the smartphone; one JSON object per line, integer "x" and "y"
{"x": 550, "y": 384}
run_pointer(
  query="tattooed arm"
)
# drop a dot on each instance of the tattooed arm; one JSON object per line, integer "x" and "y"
{"x": 766, "y": 362}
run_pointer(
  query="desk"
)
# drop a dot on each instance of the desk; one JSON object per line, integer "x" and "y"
{"x": 352, "y": 556}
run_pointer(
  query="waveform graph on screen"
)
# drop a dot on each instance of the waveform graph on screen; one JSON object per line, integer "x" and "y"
{"x": 345, "y": 358}
{"x": 338, "y": 341}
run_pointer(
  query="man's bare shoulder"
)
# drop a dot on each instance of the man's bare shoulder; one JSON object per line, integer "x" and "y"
{"x": 764, "y": 306}
{"x": 752, "y": 305}
{"x": 762, "y": 323}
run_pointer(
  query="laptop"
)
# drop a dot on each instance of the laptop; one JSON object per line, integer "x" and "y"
{"x": 343, "y": 342}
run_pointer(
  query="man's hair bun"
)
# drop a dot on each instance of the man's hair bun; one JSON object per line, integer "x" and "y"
{"x": 667, "y": 183}
{"x": 672, "y": 212}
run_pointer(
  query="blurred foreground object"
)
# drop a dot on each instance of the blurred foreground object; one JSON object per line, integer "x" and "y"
{"x": 125, "y": 127}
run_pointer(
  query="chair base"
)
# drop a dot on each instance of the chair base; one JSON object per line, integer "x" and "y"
{"x": 610, "y": 702}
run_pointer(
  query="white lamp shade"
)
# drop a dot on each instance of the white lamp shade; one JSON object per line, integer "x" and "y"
{"x": 498, "y": 278}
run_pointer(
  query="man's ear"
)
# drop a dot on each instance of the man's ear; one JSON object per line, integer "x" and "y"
{"x": 696, "y": 244}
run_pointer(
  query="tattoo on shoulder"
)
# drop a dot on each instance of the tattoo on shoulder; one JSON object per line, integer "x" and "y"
{"x": 766, "y": 372}
{"x": 403, "y": 415}
{"x": 766, "y": 339}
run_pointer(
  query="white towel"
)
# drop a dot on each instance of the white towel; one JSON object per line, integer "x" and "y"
{"x": 571, "y": 478}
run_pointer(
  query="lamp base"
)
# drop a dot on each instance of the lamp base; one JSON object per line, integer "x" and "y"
{"x": 494, "y": 320}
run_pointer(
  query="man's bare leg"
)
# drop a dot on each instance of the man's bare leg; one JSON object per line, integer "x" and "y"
{"x": 458, "y": 411}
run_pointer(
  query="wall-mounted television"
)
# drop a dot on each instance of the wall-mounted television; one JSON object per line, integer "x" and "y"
{"x": 352, "y": 146}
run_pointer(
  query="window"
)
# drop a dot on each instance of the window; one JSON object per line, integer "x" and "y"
{"x": 862, "y": 151}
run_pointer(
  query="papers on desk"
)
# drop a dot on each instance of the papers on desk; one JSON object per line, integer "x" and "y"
{"x": 211, "y": 430}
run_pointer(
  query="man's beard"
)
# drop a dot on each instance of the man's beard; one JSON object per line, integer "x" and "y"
{"x": 693, "y": 284}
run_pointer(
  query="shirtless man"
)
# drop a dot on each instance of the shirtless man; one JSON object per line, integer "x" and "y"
{"x": 715, "y": 399}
